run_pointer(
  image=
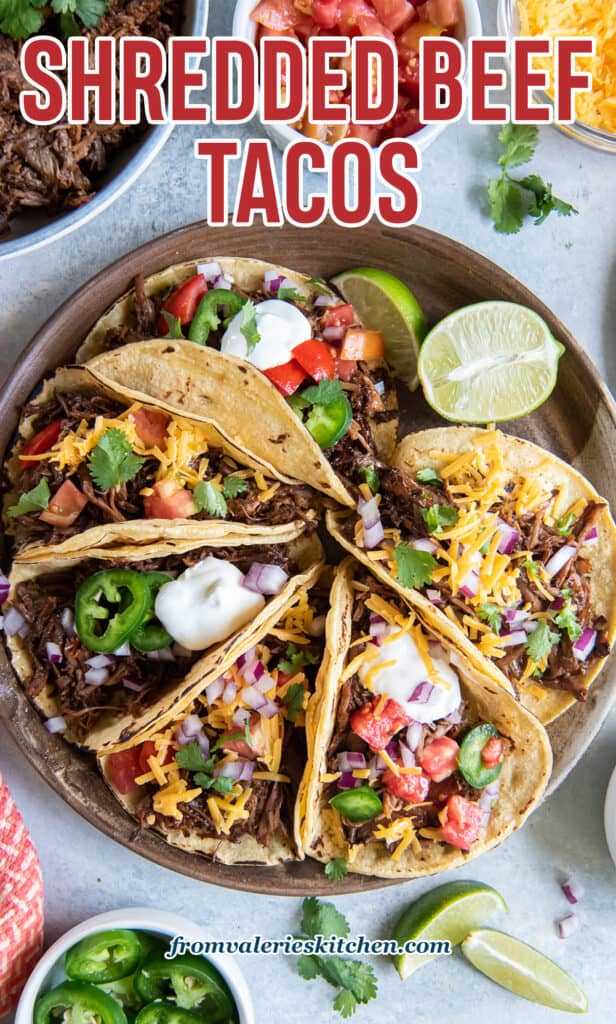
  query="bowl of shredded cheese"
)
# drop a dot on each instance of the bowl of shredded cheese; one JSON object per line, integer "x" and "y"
{"x": 595, "y": 123}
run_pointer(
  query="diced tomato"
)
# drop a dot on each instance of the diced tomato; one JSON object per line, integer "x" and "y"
{"x": 257, "y": 741}
{"x": 408, "y": 75}
{"x": 395, "y": 14}
{"x": 65, "y": 506}
{"x": 405, "y": 122}
{"x": 366, "y": 132}
{"x": 183, "y": 301}
{"x": 442, "y": 13}
{"x": 41, "y": 442}
{"x": 316, "y": 359}
{"x": 377, "y": 731}
{"x": 151, "y": 426}
{"x": 369, "y": 25}
{"x": 492, "y": 753}
{"x": 462, "y": 822}
{"x": 440, "y": 758}
{"x": 410, "y": 38}
{"x": 362, "y": 344}
{"x": 288, "y": 377}
{"x": 413, "y": 789}
{"x": 148, "y": 749}
{"x": 350, "y": 13}
{"x": 326, "y": 12}
{"x": 345, "y": 368}
{"x": 274, "y": 33}
{"x": 339, "y": 316}
{"x": 123, "y": 768}
{"x": 169, "y": 501}
{"x": 276, "y": 14}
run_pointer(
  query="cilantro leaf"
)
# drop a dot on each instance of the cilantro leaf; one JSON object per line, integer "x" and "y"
{"x": 298, "y": 403}
{"x": 320, "y": 285}
{"x": 414, "y": 567}
{"x": 307, "y": 967}
{"x": 296, "y": 658}
{"x": 35, "y": 500}
{"x": 429, "y": 476}
{"x": 88, "y": 11}
{"x": 439, "y": 516}
{"x": 565, "y": 524}
{"x": 291, "y": 294}
{"x": 294, "y": 701}
{"x": 532, "y": 569}
{"x": 567, "y": 618}
{"x": 544, "y": 201}
{"x": 321, "y": 918}
{"x": 345, "y": 1003}
{"x": 336, "y": 869}
{"x": 541, "y": 641}
{"x": 519, "y": 142}
{"x": 232, "y": 486}
{"x": 174, "y": 324}
{"x": 249, "y": 326}
{"x": 326, "y": 392}
{"x": 21, "y": 18}
{"x": 371, "y": 477}
{"x": 192, "y": 759}
{"x": 489, "y": 613}
{"x": 506, "y": 207}
{"x": 208, "y": 497}
{"x": 113, "y": 461}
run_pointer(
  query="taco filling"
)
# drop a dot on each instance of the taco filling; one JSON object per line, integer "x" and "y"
{"x": 409, "y": 761}
{"x": 93, "y": 460}
{"x": 231, "y": 765}
{"x": 107, "y": 638}
{"x": 503, "y": 554}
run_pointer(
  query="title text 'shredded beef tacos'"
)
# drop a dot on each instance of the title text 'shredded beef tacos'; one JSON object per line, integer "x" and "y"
{"x": 91, "y": 469}
{"x": 508, "y": 551}
{"x": 221, "y": 779}
{"x": 418, "y": 763}
{"x": 109, "y": 648}
{"x": 274, "y": 360}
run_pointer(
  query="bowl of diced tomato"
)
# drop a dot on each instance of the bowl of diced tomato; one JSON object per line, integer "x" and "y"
{"x": 404, "y": 22}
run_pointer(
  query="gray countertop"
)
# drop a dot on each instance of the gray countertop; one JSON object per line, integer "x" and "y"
{"x": 571, "y": 265}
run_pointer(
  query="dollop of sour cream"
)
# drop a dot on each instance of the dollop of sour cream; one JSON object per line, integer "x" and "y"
{"x": 404, "y": 669}
{"x": 281, "y": 326}
{"x": 206, "y": 604}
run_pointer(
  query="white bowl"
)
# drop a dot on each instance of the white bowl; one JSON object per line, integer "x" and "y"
{"x": 35, "y": 228}
{"x": 49, "y": 971}
{"x": 609, "y": 816}
{"x": 282, "y": 135}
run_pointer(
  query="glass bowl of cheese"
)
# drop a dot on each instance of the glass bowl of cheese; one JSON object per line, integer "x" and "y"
{"x": 596, "y": 110}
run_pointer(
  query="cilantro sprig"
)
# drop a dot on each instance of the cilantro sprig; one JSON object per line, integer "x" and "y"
{"x": 113, "y": 461}
{"x": 429, "y": 476}
{"x": 336, "y": 869}
{"x": 249, "y": 326}
{"x": 293, "y": 701}
{"x": 354, "y": 978}
{"x": 490, "y": 613}
{"x": 233, "y": 486}
{"x": 193, "y": 760}
{"x": 414, "y": 567}
{"x": 296, "y": 658}
{"x": 23, "y": 18}
{"x": 438, "y": 517}
{"x": 35, "y": 500}
{"x": 541, "y": 641}
{"x": 291, "y": 294}
{"x": 566, "y": 619}
{"x": 512, "y": 199}
{"x": 209, "y": 498}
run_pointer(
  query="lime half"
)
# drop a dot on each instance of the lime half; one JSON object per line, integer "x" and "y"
{"x": 489, "y": 362}
{"x": 449, "y": 913}
{"x": 523, "y": 970}
{"x": 385, "y": 304}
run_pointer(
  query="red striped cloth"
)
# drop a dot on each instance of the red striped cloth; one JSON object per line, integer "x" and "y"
{"x": 21, "y": 903}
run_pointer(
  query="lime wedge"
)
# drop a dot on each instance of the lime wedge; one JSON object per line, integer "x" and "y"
{"x": 385, "y": 304}
{"x": 448, "y": 912}
{"x": 523, "y": 970}
{"x": 489, "y": 362}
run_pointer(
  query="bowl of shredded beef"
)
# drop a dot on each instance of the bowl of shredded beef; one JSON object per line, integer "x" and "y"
{"x": 55, "y": 178}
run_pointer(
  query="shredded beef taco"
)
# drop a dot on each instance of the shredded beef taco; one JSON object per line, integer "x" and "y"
{"x": 418, "y": 763}
{"x": 221, "y": 779}
{"x": 510, "y": 552}
{"x": 92, "y": 468}
{"x": 276, "y": 361}
{"x": 110, "y": 647}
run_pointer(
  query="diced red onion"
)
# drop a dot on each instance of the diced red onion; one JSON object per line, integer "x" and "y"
{"x": 455, "y": 717}
{"x": 392, "y": 750}
{"x": 413, "y": 735}
{"x": 101, "y": 661}
{"x": 584, "y": 645}
{"x": 124, "y": 651}
{"x": 371, "y": 521}
{"x": 5, "y": 586}
{"x": 591, "y": 536}
{"x": 164, "y": 654}
{"x": 214, "y": 690}
{"x": 223, "y": 283}
{"x": 434, "y": 596}
{"x": 557, "y": 605}
{"x": 272, "y": 281}
{"x": 246, "y": 657}
{"x": 252, "y": 697}
{"x": 407, "y": 755}
{"x": 228, "y": 770}
{"x": 559, "y": 559}
{"x": 229, "y": 693}
{"x": 14, "y": 622}
{"x": 325, "y": 300}
{"x": 568, "y": 925}
{"x": 57, "y": 724}
{"x": 191, "y": 726}
{"x": 204, "y": 743}
{"x": 530, "y": 626}
{"x": 265, "y": 683}
{"x": 334, "y": 334}
{"x": 265, "y": 579}
{"x": 378, "y": 764}
{"x": 509, "y": 537}
{"x": 349, "y": 760}
{"x": 131, "y": 683}
{"x": 470, "y": 584}
{"x": 68, "y": 622}
{"x": 514, "y": 617}
{"x": 96, "y": 676}
{"x": 421, "y": 694}
{"x": 573, "y": 889}
{"x": 348, "y": 781}
{"x": 240, "y": 717}
{"x": 317, "y": 626}
{"x": 425, "y": 544}
{"x": 518, "y": 636}
{"x": 288, "y": 283}
{"x": 269, "y": 710}
{"x": 210, "y": 271}
{"x": 53, "y": 652}
{"x": 378, "y": 627}
{"x": 373, "y": 536}
{"x": 248, "y": 768}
